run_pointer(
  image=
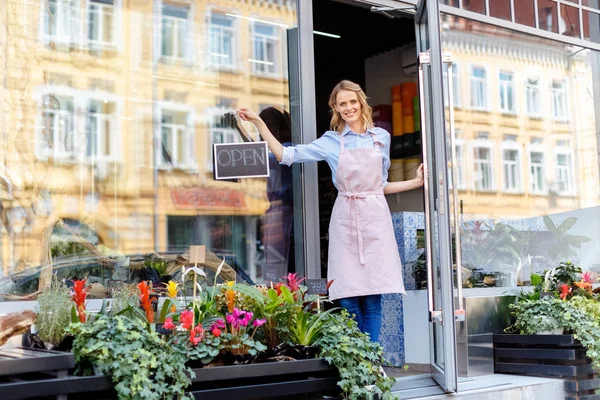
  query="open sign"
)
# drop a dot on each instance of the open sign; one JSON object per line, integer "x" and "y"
{"x": 241, "y": 160}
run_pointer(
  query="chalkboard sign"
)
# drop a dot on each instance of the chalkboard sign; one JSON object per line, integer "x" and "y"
{"x": 317, "y": 286}
{"x": 241, "y": 160}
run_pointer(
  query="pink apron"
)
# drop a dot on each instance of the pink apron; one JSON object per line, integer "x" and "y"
{"x": 363, "y": 254}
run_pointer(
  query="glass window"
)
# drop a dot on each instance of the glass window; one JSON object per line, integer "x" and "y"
{"x": 101, "y": 22}
{"x": 507, "y": 92}
{"x": 57, "y": 128}
{"x": 101, "y": 130}
{"x": 532, "y": 93}
{"x": 559, "y": 100}
{"x": 455, "y": 85}
{"x": 222, "y": 41}
{"x": 564, "y": 171}
{"x": 534, "y": 217}
{"x": 174, "y": 32}
{"x": 177, "y": 139}
{"x": 537, "y": 175}
{"x": 500, "y": 9}
{"x": 511, "y": 167}
{"x": 482, "y": 155}
{"x": 547, "y": 15}
{"x": 264, "y": 49}
{"x": 58, "y": 20}
{"x": 111, "y": 152}
{"x": 478, "y": 88}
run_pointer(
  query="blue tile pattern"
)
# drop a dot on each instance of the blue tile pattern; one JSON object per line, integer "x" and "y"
{"x": 392, "y": 327}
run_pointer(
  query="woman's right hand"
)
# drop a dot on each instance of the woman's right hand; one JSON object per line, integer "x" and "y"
{"x": 248, "y": 115}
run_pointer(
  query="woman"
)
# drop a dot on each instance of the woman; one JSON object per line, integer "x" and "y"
{"x": 363, "y": 255}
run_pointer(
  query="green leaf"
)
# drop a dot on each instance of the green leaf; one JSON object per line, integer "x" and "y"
{"x": 567, "y": 224}
{"x": 74, "y": 317}
{"x": 164, "y": 311}
{"x": 549, "y": 223}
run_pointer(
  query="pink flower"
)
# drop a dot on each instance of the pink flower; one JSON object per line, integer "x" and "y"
{"x": 231, "y": 320}
{"x": 187, "y": 319}
{"x": 294, "y": 282}
{"x": 258, "y": 322}
{"x": 169, "y": 324}
{"x": 245, "y": 320}
{"x": 219, "y": 324}
{"x": 196, "y": 334}
{"x": 587, "y": 277}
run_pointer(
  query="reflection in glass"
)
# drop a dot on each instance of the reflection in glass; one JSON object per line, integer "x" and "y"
{"x": 547, "y": 16}
{"x": 570, "y": 25}
{"x": 525, "y": 12}
{"x": 477, "y": 6}
{"x": 500, "y": 9}
{"x": 591, "y": 26}
{"x": 107, "y": 154}
{"x": 531, "y": 197}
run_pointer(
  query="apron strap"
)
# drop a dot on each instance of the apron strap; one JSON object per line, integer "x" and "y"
{"x": 342, "y": 147}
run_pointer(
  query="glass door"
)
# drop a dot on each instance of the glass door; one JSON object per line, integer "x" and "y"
{"x": 437, "y": 203}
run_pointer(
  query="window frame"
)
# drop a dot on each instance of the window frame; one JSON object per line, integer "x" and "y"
{"x": 485, "y": 144}
{"x": 570, "y": 170}
{"x": 113, "y": 134}
{"x": 276, "y": 36}
{"x": 116, "y": 24}
{"x": 67, "y": 36}
{"x": 189, "y": 157}
{"x": 509, "y": 145}
{"x": 234, "y": 65}
{"x": 564, "y": 91}
{"x": 537, "y": 148}
{"x": 537, "y": 87}
{"x": 188, "y": 48}
{"x": 502, "y": 87}
{"x": 485, "y": 89}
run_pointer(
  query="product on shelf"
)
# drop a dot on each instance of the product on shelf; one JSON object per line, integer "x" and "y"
{"x": 397, "y": 110}
{"x": 396, "y": 171}
{"x": 410, "y": 167}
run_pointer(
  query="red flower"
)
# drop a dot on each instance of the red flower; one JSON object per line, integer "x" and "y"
{"x": 293, "y": 282}
{"x": 216, "y": 332}
{"x": 278, "y": 286}
{"x": 186, "y": 319}
{"x": 145, "y": 301}
{"x": 169, "y": 324}
{"x": 196, "y": 334}
{"x": 565, "y": 290}
{"x": 78, "y": 296}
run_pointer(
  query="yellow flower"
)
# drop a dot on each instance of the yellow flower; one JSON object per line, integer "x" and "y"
{"x": 172, "y": 289}
{"x": 230, "y": 296}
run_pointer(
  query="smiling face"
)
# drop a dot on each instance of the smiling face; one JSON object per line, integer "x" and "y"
{"x": 348, "y": 105}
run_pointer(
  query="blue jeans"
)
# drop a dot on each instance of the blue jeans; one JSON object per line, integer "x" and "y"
{"x": 367, "y": 313}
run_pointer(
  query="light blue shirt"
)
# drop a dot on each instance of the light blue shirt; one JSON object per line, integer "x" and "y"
{"x": 327, "y": 148}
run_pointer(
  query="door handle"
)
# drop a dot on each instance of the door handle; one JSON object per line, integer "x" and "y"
{"x": 447, "y": 59}
{"x": 434, "y": 316}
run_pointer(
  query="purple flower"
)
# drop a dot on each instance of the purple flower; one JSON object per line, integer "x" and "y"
{"x": 258, "y": 322}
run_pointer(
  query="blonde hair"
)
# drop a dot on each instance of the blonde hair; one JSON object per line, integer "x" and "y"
{"x": 337, "y": 122}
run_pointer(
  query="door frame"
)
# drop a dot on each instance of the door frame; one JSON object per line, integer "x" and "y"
{"x": 433, "y": 126}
